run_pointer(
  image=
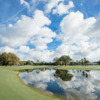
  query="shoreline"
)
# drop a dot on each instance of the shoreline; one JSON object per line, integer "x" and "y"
{"x": 40, "y": 92}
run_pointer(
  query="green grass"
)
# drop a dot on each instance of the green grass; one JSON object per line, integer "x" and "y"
{"x": 12, "y": 88}
{"x": 78, "y": 67}
{"x": 21, "y": 67}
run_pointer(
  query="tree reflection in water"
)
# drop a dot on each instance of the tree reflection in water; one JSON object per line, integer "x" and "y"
{"x": 85, "y": 74}
{"x": 63, "y": 74}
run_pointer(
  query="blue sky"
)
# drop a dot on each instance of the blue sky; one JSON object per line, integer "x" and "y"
{"x": 45, "y": 29}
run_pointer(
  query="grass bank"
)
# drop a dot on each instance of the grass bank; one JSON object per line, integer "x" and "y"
{"x": 11, "y": 87}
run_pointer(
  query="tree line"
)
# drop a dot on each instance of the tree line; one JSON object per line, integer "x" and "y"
{"x": 11, "y": 59}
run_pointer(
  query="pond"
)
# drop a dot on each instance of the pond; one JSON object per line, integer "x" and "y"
{"x": 67, "y": 84}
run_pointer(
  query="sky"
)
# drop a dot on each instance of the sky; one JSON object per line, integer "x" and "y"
{"x": 46, "y": 29}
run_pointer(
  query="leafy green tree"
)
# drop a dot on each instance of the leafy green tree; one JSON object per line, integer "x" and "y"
{"x": 29, "y": 62}
{"x": 84, "y": 61}
{"x": 63, "y": 60}
{"x": 98, "y": 62}
{"x": 60, "y": 62}
{"x": 38, "y": 62}
{"x": 8, "y": 59}
{"x": 23, "y": 62}
{"x": 72, "y": 63}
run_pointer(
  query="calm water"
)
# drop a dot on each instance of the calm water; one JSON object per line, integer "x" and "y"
{"x": 72, "y": 84}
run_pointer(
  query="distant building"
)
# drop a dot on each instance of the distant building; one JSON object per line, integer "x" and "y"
{"x": 93, "y": 63}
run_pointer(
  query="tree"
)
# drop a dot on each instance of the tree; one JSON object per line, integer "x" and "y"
{"x": 84, "y": 61}
{"x": 23, "y": 62}
{"x": 8, "y": 59}
{"x": 38, "y": 62}
{"x": 63, "y": 60}
{"x": 29, "y": 62}
{"x": 98, "y": 62}
{"x": 72, "y": 63}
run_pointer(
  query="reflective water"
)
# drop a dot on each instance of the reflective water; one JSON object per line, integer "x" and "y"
{"x": 71, "y": 84}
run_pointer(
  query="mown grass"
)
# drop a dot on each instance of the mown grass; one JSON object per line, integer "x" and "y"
{"x": 79, "y": 67}
{"x": 12, "y": 88}
{"x": 21, "y": 67}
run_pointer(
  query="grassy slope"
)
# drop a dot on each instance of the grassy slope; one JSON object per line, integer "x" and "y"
{"x": 11, "y": 88}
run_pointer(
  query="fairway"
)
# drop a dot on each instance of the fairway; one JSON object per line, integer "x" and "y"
{"x": 12, "y": 88}
{"x": 78, "y": 67}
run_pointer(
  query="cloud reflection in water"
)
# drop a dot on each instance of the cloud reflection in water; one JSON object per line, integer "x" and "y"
{"x": 72, "y": 84}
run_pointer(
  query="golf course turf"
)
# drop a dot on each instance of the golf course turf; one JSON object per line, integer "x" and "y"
{"x": 12, "y": 88}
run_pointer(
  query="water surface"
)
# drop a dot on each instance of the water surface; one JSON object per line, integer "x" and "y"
{"x": 71, "y": 84}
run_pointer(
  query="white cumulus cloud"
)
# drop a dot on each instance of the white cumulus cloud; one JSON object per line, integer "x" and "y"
{"x": 51, "y": 4}
{"x": 62, "y": 8}
{"x": 79, "y": 36}
{"x": 25, "y": 29}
